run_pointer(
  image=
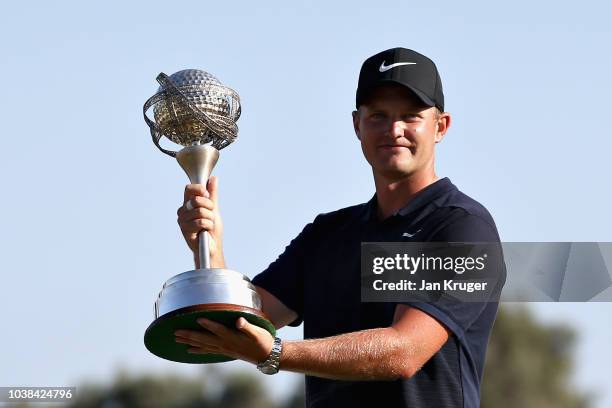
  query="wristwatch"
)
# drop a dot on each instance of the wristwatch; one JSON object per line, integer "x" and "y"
{"x": 272, "y": 364}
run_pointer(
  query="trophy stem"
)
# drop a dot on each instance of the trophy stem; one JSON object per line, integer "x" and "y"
{"x": 198, "y": 162}
{"x": 204, "y": 249}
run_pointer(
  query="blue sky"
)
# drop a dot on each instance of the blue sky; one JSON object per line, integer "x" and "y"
{"x": 89, "y": 228}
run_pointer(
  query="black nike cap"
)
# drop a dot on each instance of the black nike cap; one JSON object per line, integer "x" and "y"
{"x": 405, "y": 67}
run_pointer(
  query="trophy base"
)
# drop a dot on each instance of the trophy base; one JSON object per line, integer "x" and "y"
{"x": 159, "y": 336}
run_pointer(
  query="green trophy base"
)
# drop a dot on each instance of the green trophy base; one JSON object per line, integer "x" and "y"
{"x": 159, "y": 336}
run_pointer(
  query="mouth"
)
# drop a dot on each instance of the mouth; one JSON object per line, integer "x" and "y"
{"x": 394, "y": 147}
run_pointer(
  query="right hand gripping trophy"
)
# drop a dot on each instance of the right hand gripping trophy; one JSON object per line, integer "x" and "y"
{"x": 192, "y": 108}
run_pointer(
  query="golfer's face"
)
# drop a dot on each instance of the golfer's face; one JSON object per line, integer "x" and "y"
{"x": 397, "y": 132}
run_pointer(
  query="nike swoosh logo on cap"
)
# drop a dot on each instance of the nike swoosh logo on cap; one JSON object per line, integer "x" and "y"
{"x": 384, "y": 68}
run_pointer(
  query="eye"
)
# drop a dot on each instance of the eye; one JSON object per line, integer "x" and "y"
{"x": 411, "y": 117}
{"x": 378, "y": 116}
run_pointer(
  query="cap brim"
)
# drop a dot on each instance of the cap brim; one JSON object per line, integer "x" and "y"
{"x": 419, "y": 94}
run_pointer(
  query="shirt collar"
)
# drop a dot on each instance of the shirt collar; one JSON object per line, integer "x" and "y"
{"x": 420, "y": 199}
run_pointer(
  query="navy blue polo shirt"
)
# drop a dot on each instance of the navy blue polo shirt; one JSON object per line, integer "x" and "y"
{"x": 318, "y": 277}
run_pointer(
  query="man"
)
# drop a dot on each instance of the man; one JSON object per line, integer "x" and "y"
{"x": 411, "y": 354}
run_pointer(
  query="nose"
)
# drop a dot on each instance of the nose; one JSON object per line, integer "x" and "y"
{"x": 397, "y": 128}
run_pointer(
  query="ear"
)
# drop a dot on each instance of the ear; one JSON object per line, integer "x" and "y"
{"x": 356, "y": 123}
{"x": 444, "y": 122}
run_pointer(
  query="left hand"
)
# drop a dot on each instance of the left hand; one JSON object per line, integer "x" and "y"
{"x": 247, "y": 342}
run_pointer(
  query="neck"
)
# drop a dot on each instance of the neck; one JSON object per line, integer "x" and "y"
{"x": 393, "y": 194}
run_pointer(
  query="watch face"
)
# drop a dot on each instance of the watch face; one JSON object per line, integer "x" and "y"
{"x": 269, "y": 369}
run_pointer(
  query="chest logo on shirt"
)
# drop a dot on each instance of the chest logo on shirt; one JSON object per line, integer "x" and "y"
{"x": 409, "y": 235}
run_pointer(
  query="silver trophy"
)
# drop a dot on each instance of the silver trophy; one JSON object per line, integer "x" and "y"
{"x": 193, "y": 109}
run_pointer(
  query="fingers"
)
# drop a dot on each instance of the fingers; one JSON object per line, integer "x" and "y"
{"x": 195, "y": 213}
{"x": 198, "y": 211}
{"x": 194, "y": 190}
{"x": 195, "y": 226}
{"x": 207, "y": 350}
{"x": 197, "y": 202}
{"x": 202, "y": 343}
{"x": 198, "y": 348}
{"x": 195, "y": 338}
{"x": 249, "y": 342}
{"x": 217, "y": 328}
{"x": 196, "y": 344}
{"x": 199, "y": 217}
{"x": 249, "y": 329}
{"x": 213, "y": 188}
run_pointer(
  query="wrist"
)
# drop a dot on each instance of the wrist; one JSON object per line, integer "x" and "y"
{"x": 218, "y": 260}
{"x": 272, "y": 364}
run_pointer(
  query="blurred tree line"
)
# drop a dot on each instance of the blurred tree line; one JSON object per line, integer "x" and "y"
{"x": 235, "y": 390}
{"x": 528, "y": 365}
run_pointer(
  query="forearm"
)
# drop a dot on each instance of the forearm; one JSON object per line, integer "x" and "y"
{"x": 375, "y": 354}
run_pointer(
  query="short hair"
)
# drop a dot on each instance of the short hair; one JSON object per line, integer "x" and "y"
{"x": 437, "y": 112}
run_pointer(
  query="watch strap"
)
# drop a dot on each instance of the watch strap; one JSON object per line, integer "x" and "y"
{"x": 272, "y": 363}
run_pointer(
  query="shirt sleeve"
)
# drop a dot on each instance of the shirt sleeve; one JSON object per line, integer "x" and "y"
{"x": 284, "y": 278}
{"x": 456, "y": 315}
